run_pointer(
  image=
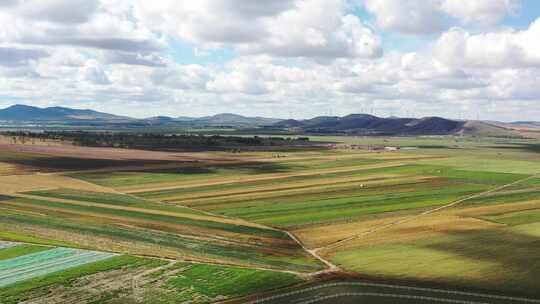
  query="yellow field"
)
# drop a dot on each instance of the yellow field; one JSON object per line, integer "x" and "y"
{"x": 24, "y": 183}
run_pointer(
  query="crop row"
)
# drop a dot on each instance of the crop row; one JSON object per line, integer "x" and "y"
{"x": 236, "y": 253}
{"x": 42, "y": 263}
{"x": 160, "y": 218}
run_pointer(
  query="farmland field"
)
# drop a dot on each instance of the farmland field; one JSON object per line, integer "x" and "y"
{"x": 150, "y": 231}
{"x": 13, "y": 250}
{"x": 56, "y": 275}
{"x": 208, "y": 283}
{"x": 447, "y": 212}
{"x": 33, "y": 265}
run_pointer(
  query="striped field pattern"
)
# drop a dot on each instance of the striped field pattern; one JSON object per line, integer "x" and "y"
{"x": 43, "y": 263}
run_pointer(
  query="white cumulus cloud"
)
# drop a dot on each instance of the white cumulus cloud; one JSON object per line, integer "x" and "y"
{"x": 433, "y": 16}
{"x": 500, "y": 49}
{"x": 300, "y": 28}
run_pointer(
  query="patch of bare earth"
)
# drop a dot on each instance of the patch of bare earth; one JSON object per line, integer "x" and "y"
{"x": 126, "y": 282}
{"x": 111, "y": 153}
{"x": 24, "y": 183}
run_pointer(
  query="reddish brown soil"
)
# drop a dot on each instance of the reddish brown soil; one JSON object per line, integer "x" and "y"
{"x": 111, "y": 153}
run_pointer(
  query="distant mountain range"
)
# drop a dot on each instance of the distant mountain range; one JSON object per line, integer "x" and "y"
{"x": 363, "y": 124}
{"x": 227, "y": 119}
{"x": 22, "y": 113}
{"x": 355, "y": 124}
{"x": 219, "y": 120}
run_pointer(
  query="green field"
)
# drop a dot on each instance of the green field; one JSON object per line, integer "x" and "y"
{"x": 178, "y": 218}
{"x": 337, "y": 196}
{"x": 13, "y": 252}
{"x": 208, "y": 283}
{"x": 40, "y": 286}
{"x": 27, "y": 238}
{"x": 483, "y": 260}
{"x": 158, "y": 281}
{"x": 199, "y": 172}
{"x": 517, "y": 218}
{"x": 174, "y": 236}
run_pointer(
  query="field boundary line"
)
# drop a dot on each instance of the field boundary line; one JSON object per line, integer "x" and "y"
{"x": 427, "y": 212}
{"x": 172, "y": 260}
{"x": 223, "y": 240}
{"x": 331, "y": 267}
{"x": 168, "y": 259}
{"x": 273, "y": 176}
{"x": 202, "y": 217}
{"x": 112, "y": 190}
{"x": 293, "y": 237}
{"x": 203, "y": 212}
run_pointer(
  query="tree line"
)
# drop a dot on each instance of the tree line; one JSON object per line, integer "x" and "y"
{"x": 150, "y": 140}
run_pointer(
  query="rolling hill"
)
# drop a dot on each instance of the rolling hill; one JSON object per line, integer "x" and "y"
{"x": 363, "y": 124}
{"x": 373, "y": 125}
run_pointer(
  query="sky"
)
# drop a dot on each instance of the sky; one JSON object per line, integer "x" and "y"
{"x": 462, "y": 59}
